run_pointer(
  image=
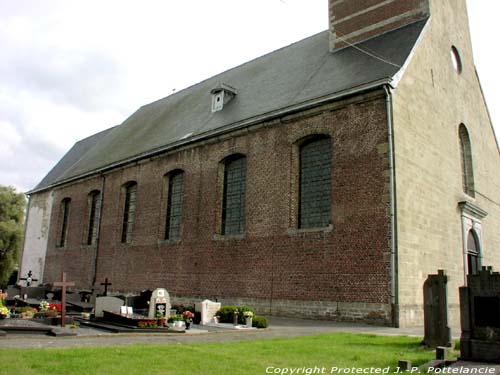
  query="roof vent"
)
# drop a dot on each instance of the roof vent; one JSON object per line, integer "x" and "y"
{"x": 221, "y": 95}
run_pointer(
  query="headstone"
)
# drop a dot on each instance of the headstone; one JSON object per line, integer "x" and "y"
{"x": 480, "y": 317}
{"x": 437, "y": 331}
{"x": 111, "y": 304}
{"x": 159, "y": 303}
{"x": 208, "y": 309}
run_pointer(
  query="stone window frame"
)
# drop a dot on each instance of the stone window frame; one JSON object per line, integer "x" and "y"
{"x": 466, "y": 162}
{"x": 221, "y": 232}
{"x": 64, "y": 211}
{"x": 129, "y": 190}
{"x": 166, "y": 207}
{"x": 471, "y": 217}
{"x": 297, "y": 145}
{"x": 91, "y": 232}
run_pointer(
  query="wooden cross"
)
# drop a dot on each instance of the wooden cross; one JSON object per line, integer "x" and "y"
{"x": 28, "y": 279}
{"x": 63, "y": 284}
{"x": 106, "y": 284}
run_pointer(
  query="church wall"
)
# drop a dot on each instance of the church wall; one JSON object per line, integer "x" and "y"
{"x": 36, "y": 236}
{"x": 338, "y": 272}
{"x": 430, "y": 103}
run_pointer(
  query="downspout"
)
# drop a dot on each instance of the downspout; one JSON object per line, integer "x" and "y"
{"x": 20, "y": 268}
{"x": 394, "y": 297}
{"x": 98, "y": 237}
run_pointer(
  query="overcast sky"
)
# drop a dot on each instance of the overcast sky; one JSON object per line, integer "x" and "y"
{"x": 69, "y": 69}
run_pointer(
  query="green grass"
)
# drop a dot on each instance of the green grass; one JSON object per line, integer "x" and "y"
{"x": 246, "y": 357}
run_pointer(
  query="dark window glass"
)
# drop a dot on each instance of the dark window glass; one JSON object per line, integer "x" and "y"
{"x": 174, "y": 206}
{"x": 94, "y": 204}
{"x": 65, "y": 204}
{"x": 129, "y": 212}
{"x": 233, "y": 205}
{"x": 472, "y": 253}
{"x": 466, "y": 161}
{"x": 315, "y": 183}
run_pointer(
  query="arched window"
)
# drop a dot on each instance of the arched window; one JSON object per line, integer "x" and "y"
{"x": 64, "y": 215}
{"x": 466, "y": 161}
{"x": 130, "y": 192}
{"x": 174, "y": 204}
{"x": 315, "y": 182}
{"x": 233, "y": 199}
{"x": 94, "y": 212}
{"x": 473, "y": 264}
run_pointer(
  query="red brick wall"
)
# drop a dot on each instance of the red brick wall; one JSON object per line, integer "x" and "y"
{"x": 354, "y": 21}
{"x": 348, "y": 262}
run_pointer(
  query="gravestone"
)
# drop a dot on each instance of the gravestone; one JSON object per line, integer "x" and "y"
{"x": 159, "y": 303}
{"x": 208, "y": 309}
{"x": 111, "y": 304}
{"x": 480, "y": 317}
{"x": 437, "y": 331}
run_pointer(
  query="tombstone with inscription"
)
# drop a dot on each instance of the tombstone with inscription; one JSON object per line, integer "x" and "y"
{"x": 437, "y": 331}
{"x": 159, "y": 303}
{"x": 480, "y": 317}
{"x": 111, "y": 304}
{"x": 208, "y": 309}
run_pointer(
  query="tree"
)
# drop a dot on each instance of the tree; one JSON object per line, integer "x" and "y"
{"x": 12, "y": 206}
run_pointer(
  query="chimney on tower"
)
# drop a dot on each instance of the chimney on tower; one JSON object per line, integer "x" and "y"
{"x": 352, "y": 21}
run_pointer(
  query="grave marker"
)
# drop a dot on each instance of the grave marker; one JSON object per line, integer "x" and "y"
{"x": 106, "y": 284}
{"x": 208, "y": 309}
{"x": 111, "y": 304}
{"x": 29, "y": 278}
{"x": 63, "y": 284}
{"x": 437, "y": 332}
{"x": 159, "y": 303}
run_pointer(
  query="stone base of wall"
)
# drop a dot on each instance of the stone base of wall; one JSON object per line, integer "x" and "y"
{"x": 413, "y": 316}
{"x": 372, "y": 313}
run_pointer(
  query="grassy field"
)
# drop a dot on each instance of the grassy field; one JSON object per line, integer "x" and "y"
{"x": 247, "y": 357}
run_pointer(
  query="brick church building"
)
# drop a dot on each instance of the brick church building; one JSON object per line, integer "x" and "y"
{"x": 326, "y": 179}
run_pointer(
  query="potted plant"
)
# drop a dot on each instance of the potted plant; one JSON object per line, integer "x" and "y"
{"x": 188, "y": 318}
{"x": 248, "y": 318}
{"x": 161, "y": 319}
{"x": 176, "y": 322}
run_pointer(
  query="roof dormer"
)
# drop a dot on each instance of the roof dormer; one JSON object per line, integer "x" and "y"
{"x": 221, "y": 95}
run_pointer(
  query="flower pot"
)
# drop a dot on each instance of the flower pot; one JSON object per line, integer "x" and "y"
{"x": 188, "y": 324}
{"x": 248, "y": 321}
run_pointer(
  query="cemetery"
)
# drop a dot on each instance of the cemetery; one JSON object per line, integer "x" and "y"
{"x": 43, "y": 308}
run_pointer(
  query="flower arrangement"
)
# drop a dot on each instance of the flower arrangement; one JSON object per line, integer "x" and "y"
{"x": 44, "y": 306}
{"x": 188, "y": 316}
{"x": 4, "y": 312}
{"x": 148, "y": 324}
{"x": 55, "y": 306}
{"x": 248, "y": 314}
{"x": 2, "y": 298}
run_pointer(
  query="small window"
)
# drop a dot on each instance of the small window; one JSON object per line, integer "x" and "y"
{"x": 174, "y": 205}
{"x": 233, "y": 200}
{"x": 63, "y": 236}
{"x": 94, "y": 212}
{"x": 456, "y": 60}
{"x": 473, "y": 264}
{"x": 315, "y": 183}
{"x": 466, "y": 161}
{"x": 129, "y": 211}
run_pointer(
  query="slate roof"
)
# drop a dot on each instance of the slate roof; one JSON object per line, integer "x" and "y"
{"x": 286, "y": 79}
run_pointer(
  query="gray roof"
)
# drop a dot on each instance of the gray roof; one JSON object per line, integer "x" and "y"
{"x": 284, "y": 79}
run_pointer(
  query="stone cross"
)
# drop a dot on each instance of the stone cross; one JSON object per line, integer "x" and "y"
{"x": 29, "y": 279}
{"x": 106, "y": 284}
{"x": 63, "y": 284}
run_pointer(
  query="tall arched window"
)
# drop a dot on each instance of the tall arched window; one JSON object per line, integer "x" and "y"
{"x": 233, "y": 199}
{"x": 64, "y": 215}
{"x": 94, "y": 212}
{"x": 174, "y": 204}
{"x": 315, "y": 182}
{"x": 466, "y": 161}
{"x": 130, "y": 192}
{"x": 473, "y": 264}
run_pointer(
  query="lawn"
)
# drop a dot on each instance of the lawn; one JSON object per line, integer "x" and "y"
{"x": 275, "y": 356}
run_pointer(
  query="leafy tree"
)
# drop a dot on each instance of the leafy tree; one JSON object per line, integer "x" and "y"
{"x": 12, "y": 206}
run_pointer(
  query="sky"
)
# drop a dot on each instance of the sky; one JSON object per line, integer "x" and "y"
{"x": 71, "y": 68}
